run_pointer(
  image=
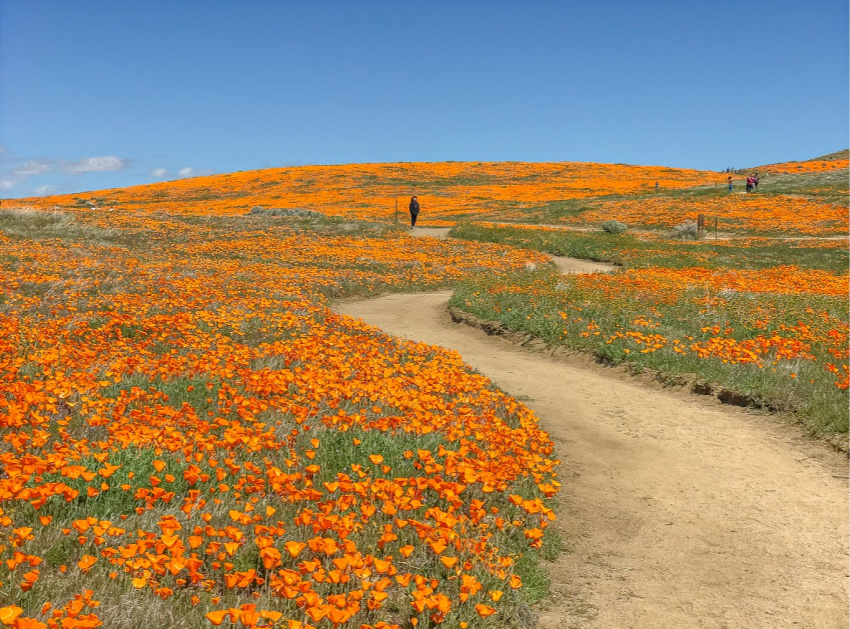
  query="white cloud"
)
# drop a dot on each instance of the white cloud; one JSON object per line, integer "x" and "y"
{"x": 186, "y": 172}
{"x": 44, "y": 165}
{"x": 158, "y": 172}
{"x": 92, "y": 164}
{"x": 40, "y": 191}
{"x": 38, "y": 166}
{"x": 14, "y": 171}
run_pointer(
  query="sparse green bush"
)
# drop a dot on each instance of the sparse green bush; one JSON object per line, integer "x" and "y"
{"x": 614, "y": 227}
{"x": 295, "y": 212}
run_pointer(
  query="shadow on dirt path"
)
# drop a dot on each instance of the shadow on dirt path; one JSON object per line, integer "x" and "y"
{"x": 677, "y": 512}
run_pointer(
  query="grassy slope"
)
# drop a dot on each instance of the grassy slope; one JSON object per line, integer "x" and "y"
{"x": 535, "y": 302}
{"x": 832, "y": 156}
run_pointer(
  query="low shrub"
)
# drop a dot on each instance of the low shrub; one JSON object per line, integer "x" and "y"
{"x": 614, "y": 227}
{"x": 688, "y": 230}
{"x": 295, "y": 212}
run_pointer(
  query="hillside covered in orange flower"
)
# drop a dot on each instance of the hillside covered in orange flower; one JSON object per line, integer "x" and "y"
{"x": 447, "y": 190}
{"x": 566, "y": 193}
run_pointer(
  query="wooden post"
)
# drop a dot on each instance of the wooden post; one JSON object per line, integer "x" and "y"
{"x": 715, "y": 230}
{"x": 396, "y": 210}
{"x": 700, "y": 225}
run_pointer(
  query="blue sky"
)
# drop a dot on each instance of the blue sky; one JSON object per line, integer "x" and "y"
{"x": 99, "y": 94}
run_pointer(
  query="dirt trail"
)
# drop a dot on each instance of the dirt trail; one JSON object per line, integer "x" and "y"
{"x": 442, "y": 232}
{"x": 565, "y": 264}
{"x": 677, "y": 512}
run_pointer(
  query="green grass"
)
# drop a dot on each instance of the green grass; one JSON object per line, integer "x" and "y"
{"x": 832, "y": 156}
{"x": 535, "y": 303}
{"x": 631, "y": 251}
{"x": 560, "y": 311}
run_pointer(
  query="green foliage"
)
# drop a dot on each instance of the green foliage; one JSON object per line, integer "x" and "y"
{"x": 633, "y": 252}
{"x": 614, "y": 227}
{"x": 561, "y": 311}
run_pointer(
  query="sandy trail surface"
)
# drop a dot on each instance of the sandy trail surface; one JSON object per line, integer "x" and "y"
{"x": 443, "y": 232}
{"x": 676, "y": 512}
{"x": 565, "y": 264}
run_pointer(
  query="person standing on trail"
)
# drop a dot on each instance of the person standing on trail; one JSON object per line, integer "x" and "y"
{"x": 729, "y": 179}
{"x": 414, "y": 211}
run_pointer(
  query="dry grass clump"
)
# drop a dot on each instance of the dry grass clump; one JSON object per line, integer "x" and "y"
{"x": 689, "y": 230}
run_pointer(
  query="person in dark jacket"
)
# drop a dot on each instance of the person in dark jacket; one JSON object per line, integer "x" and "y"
{"x": 414, "y": 211}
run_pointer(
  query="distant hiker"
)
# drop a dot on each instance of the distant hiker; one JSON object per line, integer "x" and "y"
{"x": 729, "y": 179}
{"x": 750, "y": 183}
{"x": 756, "y": 180}
{"x": 656, "y": 186}
{"x": 414, "y": 211}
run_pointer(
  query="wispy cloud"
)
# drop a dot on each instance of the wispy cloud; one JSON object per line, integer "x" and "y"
{"x": 95, "y": 164}
{"x": 39, "y": 166}
{"x": 16, "y": 172}
{"x": 44, "y": 165}
{"x": 158, "y": 172}
{"x": 191, "y": 172}
{"x": 41, "y": 191}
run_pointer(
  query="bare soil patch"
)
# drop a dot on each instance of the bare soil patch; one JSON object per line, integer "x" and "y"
{"x": 569, "y": 265}
{"x": 676, "y": 511}
{"x": 442, "y": 233}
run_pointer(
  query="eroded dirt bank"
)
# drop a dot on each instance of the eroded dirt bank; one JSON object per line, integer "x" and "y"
{"x": 677, "y": 512}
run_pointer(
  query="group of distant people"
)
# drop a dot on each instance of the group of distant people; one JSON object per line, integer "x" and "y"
{"x": 752, "y": 182}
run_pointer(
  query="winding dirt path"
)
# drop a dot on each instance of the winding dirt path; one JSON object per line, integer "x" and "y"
{"x": 677, "y": 512}
{"x": 565, "y": 264}
{"x": 442, "y": 232}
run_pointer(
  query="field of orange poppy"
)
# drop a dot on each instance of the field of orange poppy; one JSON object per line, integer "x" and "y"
{"x": 447, "y": 190}
{"x": 188, "y": 430}
{"x": 810, "y": 166}
{"x": 567, "y": 193}
{"x": 736, "y": 213}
